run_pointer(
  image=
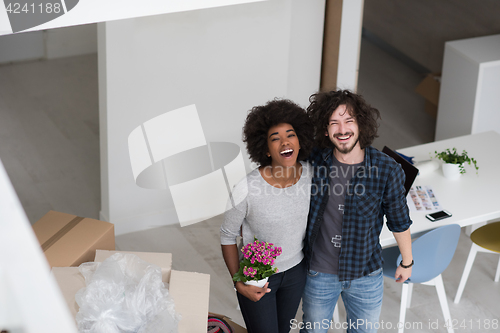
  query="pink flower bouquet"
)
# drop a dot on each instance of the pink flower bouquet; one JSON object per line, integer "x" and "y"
{"x": 258, "y": 259}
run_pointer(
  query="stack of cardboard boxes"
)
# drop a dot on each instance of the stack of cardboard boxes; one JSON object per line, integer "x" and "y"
{"x": 68, "y": 241}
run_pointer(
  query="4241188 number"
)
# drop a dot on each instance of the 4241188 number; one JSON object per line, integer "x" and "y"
{"x": 47, "y": 8}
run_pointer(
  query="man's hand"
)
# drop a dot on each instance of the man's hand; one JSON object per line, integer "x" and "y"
{"x": 402, "y": 274}
{"x": 253, "y": 293}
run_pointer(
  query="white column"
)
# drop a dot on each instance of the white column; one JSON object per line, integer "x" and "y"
{"x": 350, "y": 44}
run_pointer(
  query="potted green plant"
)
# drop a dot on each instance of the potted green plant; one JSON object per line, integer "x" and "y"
{"x": 454, "y": 163}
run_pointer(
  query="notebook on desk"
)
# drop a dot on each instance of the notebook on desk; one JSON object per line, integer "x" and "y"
{"x": 410, "y": 170}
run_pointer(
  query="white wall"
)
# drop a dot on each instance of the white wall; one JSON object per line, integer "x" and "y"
{"x": 469, "y": 101}
{"x": 23, "y": 46}
{"x": 49, "y": 44}
{"x": 71, "y": 41}
{"x": 225, "y": 60}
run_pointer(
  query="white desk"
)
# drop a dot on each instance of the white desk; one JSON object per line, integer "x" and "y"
{"x": 472, "y": 198}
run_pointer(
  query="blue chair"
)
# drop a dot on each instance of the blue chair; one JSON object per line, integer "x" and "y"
{"x": 432, "y": 253}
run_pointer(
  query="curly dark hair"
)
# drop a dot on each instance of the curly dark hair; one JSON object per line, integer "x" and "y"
{"x": 324, "y": 103}
{"x": 278, "y": 111}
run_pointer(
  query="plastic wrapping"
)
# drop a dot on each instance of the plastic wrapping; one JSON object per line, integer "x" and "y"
{"x": 124, "y": 294}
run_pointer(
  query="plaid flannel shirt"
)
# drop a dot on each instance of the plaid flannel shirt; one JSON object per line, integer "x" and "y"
{"x": 377, "y": 189}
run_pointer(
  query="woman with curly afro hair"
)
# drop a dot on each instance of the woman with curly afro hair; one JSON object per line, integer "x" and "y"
{"x": 272, "y": 204}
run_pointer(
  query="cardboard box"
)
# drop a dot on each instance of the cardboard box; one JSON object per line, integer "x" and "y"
{"x": 236, "y": 328}
{"x": 189, "y": 290}
{"x": 70, "y": 240}
{"x": 429, "y": 89}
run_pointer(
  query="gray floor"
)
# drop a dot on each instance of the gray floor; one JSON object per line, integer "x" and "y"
{"x": 50, "y": 148}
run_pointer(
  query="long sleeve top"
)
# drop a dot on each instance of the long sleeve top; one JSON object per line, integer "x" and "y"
{"x": 274, "y": 215}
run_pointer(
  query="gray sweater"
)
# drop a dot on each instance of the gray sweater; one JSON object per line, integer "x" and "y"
{"x": 271, "y": 214}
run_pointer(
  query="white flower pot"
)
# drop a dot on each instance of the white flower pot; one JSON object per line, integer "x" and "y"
{"x": 259, "y": 283}
{"x": 451, "y": 171}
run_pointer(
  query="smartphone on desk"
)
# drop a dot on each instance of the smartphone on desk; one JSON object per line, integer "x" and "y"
{"x": 438, "y": 215}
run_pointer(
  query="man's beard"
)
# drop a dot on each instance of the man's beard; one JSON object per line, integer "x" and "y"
{"x": 346, "y": 150}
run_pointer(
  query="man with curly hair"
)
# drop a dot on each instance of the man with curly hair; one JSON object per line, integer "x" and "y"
{"x": 353, "y": 187}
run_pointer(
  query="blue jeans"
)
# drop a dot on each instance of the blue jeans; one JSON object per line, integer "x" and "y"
{"x": 362, "y": 299}
{"x": 275, "y": 310}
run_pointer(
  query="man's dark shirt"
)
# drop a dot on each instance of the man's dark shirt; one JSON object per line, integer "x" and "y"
{"x": 376, "y": 190}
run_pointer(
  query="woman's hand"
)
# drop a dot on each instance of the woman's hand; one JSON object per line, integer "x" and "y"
{"x": 253, "y": 293}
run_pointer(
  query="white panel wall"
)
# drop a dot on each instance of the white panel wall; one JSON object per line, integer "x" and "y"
{"x": 49, "y": 44}
{"x": 457, "y": 95}
{"x": 22, "y": 46}
{"x": 469, "y": 99}
{"x": 488, "y": 99}
{"x": 306, "y": 46}
{"x": 71, "y": 41}
{"x": 225, "y": 60}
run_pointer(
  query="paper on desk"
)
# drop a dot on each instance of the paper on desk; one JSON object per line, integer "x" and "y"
{"x": 422, "y": 199}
